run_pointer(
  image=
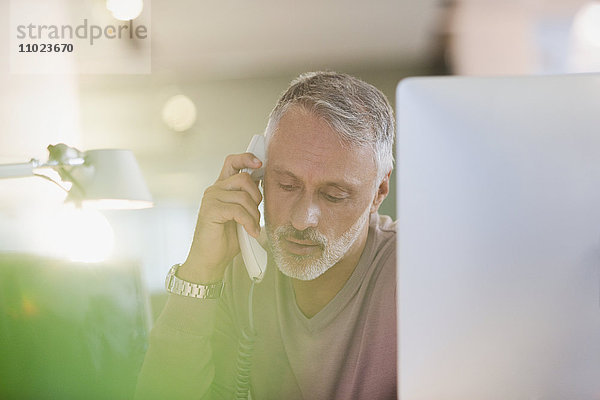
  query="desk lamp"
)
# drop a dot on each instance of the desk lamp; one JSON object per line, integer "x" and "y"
{"x": 105, "y": 179}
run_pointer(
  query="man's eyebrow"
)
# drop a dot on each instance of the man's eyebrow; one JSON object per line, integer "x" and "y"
{"x": 285, "y": 172}
{"x": 342, "y": 185}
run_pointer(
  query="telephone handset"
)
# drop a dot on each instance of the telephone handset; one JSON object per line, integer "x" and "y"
{"x": 255, "y": 257}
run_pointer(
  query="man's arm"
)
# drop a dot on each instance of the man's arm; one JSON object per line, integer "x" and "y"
{"x": 193, "y": 338}
{"x": 192, "y": 352}
{"x": 178, "y": 364}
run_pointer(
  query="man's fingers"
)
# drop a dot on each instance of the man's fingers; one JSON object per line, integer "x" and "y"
{"x": 235, "y": 162}
{"x": 220, "y": 205}
{"x": 239, "y": 214}
{"x": 241, "y": 198}
{"x": 241, "y": 182}
{"x": 235, "y": 196}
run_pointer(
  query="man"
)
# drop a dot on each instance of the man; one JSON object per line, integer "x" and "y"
{"x": 323, "y": 319}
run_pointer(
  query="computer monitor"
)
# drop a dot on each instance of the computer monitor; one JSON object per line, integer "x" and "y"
{"x": 499, "y": 237}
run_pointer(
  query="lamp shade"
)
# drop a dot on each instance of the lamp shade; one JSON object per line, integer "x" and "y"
{"x": 109, "y": 179}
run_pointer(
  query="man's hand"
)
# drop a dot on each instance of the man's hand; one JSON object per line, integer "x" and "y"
{"x": 232, "y": 199}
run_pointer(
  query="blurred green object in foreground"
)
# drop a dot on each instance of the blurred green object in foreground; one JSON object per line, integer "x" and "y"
{"x": 70, "y": 330}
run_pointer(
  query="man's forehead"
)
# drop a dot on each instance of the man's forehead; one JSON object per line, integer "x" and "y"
{"x": 304, "y": 144}
{"x": 310, "y": 132}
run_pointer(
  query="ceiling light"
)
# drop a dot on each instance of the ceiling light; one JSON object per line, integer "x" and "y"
{"x": 179, "y": 113}
{"x": 125, "y": 10}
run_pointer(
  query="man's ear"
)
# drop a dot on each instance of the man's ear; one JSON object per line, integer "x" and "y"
{"x": 382, "y": 192}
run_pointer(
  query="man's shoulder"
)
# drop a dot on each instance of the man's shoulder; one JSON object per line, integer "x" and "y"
{"x": 384, "y": 223}
{"x": 382, "y": 246}
{"x": 383, "y": 229}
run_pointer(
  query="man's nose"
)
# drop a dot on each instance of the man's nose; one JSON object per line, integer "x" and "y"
{"x": 305, "y": 213}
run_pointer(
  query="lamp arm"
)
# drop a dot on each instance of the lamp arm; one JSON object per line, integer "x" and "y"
{"x": 23, "y": 170}
{"x": 61, "y": 155}
{"x": 18, "y": 170}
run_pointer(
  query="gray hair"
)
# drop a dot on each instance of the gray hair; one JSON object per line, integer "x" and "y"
{"x": 356, "y": 110}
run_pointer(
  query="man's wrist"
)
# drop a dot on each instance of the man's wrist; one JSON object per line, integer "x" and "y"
{"x": 195, "y": 274}
{"x": 176, "y": 285}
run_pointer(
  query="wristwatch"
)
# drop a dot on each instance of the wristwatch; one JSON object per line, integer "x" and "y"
{"x": 176, "y": 285}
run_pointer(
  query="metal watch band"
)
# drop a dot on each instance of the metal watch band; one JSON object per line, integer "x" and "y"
{"x": 176, "y": 285}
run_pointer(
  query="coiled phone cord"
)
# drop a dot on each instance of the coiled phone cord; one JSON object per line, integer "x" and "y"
{"x": 245, "y": 350}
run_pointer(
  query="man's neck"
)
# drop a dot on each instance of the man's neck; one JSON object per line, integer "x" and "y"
{"x": 312, "y": 296}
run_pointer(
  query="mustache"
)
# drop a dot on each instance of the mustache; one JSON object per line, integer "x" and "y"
{"x": 311, "y": 234}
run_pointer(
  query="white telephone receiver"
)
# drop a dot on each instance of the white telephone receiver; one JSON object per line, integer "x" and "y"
{"x": 255, "y": 257}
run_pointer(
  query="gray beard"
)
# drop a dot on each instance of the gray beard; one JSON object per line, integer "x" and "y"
{"x": 310, "y": 267}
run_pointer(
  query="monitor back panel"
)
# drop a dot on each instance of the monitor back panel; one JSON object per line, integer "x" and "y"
{"x": 499, "y": 237}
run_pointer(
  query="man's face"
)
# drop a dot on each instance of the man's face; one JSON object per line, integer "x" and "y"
{"x": 318, "y": 194}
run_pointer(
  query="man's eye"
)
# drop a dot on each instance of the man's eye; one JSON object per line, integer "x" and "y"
{"x": 287, "y": 188}
{"x": 332, "y": 199}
